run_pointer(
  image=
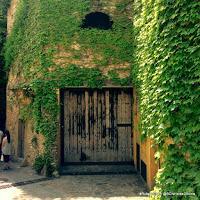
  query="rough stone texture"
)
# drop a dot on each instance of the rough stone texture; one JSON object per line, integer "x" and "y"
{"x": 32, "y": 150}
{"x": 87, "y": 60}
{"x": 15, "y": 101}
{"x": 110, "y": 7}
{"x": 12, "y": 120}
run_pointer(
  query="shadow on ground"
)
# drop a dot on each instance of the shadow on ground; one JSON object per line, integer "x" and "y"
{"x": 78, "y": 187}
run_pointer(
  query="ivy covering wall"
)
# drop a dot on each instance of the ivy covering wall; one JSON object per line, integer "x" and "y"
{"x": 47, "y": 28}
{"x": 166, "y": 69}
{"x": 168, "y": 72}
{"x": 3, "y": 12}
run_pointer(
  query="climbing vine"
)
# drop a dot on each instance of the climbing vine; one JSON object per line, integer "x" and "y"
{"x": 168, "y": 75}
{"x": 3, "y": 12}
{"x": 45, "y": 48}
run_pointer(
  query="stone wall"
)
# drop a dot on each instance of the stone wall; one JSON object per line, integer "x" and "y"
{"x": 15, "y": 102}
{"x": 16, "y": 99}
{"x": 110, "y": 7}
{"x": 88, "y": 57}
{"x": 33, "y": 142}
{"x": 87, "y": 60}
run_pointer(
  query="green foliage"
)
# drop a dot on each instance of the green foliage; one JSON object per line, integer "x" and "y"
{"x": 168, "y": 74}
{"x": 42, "y": 162}
{"x": 3, "y": 11}
{"x": 114, "y": 76}
{"x": 43, "y": 30}
{"x": 39, "y": 163}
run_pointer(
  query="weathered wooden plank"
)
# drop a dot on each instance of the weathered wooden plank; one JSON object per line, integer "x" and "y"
{"x": 126, "y": 120}
{"x": 98, "y": 124}
{"x": 129, "y": 128}
{"x": 21, "y": 135}
{"x": 72, "y": 126}
{"x": 115, "y": 139}
{"x": 119, "y": 108}
{"x": 129, "y": 144}
{"x": 75, "y": 138}
{"x": 79, "y": 115}
{"x": 66, "y": 125}
{"x": 87, "y": 133}
{"x": 108, "y": 125}
{"x": 83, "y": 125}
{"x": 99, "y": 119}
{"x": 111, "y": 136}
{"x": 95, "y": 139}
{"x": 72, "y": 149}
{"x": 128, "y": 108}
{"x": 121, "y": 133}
{"x": 91, "y": 129}
{"x": 103, "y": 126}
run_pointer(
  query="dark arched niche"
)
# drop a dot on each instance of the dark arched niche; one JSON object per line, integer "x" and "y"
{"x": 97, "y": 20}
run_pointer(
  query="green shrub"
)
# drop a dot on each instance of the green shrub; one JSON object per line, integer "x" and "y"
{"x": 39, "y": 163}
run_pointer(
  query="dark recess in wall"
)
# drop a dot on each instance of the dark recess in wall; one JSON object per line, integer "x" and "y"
{"x": 143, "y": 170}
{"x": 138, "y": 156}
{"x": 97, "y": 20}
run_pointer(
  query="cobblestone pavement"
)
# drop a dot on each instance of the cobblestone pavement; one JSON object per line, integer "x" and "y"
{"x": 81, "y": 187}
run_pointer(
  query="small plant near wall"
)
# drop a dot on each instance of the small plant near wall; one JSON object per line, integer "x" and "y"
{"x": 39, "y": 163}
{"x": 34, "y": 142}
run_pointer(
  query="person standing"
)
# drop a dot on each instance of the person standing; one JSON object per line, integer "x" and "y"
{"x": 6, "y": 149}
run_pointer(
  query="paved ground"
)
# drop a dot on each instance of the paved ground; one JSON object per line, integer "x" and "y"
{"x": 21, "y": 183}
{"x": 88, "y": 169}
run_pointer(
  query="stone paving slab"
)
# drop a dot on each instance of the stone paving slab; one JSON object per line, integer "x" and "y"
{"x": 17, "y": 173}
{"x": 79, "y": 187}
{"x": 101, "y": 169}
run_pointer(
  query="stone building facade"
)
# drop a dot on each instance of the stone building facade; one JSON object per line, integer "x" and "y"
{"x": 27, "y": 143}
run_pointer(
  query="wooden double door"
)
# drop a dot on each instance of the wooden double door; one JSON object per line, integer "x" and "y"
{"x": 96, "y": 125}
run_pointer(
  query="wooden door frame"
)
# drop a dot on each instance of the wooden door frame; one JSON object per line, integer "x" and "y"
{"x": 83, "y": 88}
{"x": 21, "y": 139}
